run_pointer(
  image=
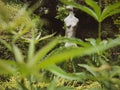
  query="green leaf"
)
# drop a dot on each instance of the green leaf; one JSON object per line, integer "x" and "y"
{"x": 74, "y": 40}
{"x": 64, "y": 54}
{"x": 18, "y": 54}
{"x": 43, "y": 38}
{"x": 110, "y": 9}
{"x": 43, "y": 52}
{"x": 92, "y": 41}
{"x": 116, "y": 11}
{"x": 71, "y": 76}
{"x": 31, "y": 49}
{"x": 95, "y": 7}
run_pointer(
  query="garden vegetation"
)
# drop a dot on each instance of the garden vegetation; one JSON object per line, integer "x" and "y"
{"x": 33, "y": 59}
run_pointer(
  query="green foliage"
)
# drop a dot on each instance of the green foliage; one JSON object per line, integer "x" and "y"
{"x": 62, "y": 13}
{"x": 28, "y": 69}
{"x": 40, "y": 60}
{"x": 17, "y": 24}
{"x": 105, "y": 74}
{"x": 96, "y": 11}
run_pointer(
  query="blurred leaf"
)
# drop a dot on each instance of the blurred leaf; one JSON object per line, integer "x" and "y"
{"x": 3, "y": 24}
{"x": 35, "y": 6}
{"x": 8, "y": 46}
{"x": 42, "y": 52}
{"x": 74, "y": 40}
{"x": 71, "y": 76}
{"x": 31, "y": 49}
{"x": 28, "y": 27}
{"x": 92, "y": 41}
{"x": 52, "y": 85}
{"x": 18, "y": 19}
{"x": 115, "y": 71}
{"x": 43, "y": 38}
{"x": 7, "y": 66}
{"x": 18, "y": 54}
{"x": 64, "y": 54}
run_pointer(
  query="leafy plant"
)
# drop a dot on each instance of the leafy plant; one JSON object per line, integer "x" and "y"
{"x": 61, "y": 12}
{"x": 96, "y": 11}
{"x": 40, "y": 59}
{"x": 32, "y": 65}
{"x": 105, "y": 74}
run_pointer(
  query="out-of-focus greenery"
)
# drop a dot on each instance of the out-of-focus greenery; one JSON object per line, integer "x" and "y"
{"x": 30, "y": 71}
{"x": 62, "y": 12}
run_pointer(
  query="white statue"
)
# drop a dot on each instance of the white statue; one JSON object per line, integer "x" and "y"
{"x": 71, "y": 23}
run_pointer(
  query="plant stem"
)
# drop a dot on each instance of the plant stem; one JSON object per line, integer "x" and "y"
{"x": 99, "y": 31}
{"x": 99, "y": 23}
